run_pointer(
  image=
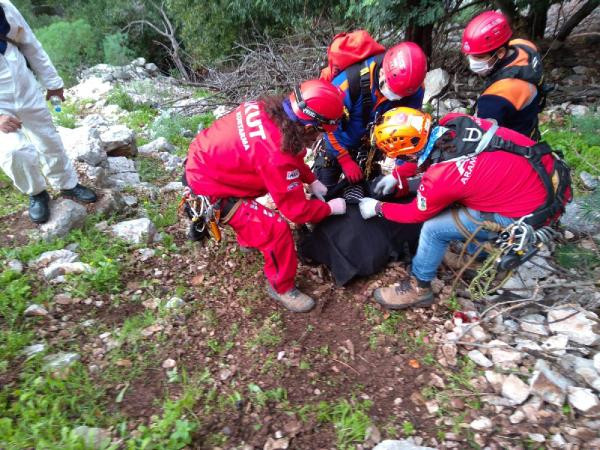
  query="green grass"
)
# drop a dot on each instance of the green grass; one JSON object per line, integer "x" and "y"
{"x": 117, "y": 96}
{"x": 579, "y": 140}
{"x": 160, "y": 214}
{"x": 572, "y": 256}
{"x": 152, "y": 170}
{"x": 42, "y": 410}
{"x": 140, "y": 118}
{"x": 350, "y": 420}
{"x": 171, "y": 128}
{"x": 12, "y": 200}
{"x": 269, "y": 333}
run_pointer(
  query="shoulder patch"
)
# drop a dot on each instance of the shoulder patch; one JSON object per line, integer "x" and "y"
{"x": 293, "y": 186}
{"x": 292, "y": 174}
{"x": 421, "y": 202}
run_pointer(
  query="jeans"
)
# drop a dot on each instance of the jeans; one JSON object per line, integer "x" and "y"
{"x": 437, "y": 233}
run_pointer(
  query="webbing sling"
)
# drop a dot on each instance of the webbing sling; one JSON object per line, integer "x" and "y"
{"x": 359, "y": 85}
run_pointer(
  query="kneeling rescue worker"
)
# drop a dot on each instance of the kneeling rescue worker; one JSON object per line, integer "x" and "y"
{"x": 257, "y": 149}
{"x": 371, "y": 87}
{"x": 512, "y": 69}
{"x": 494, "y": 173}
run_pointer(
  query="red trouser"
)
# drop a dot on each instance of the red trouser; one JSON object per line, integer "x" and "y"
{"x": 265, "y": 229}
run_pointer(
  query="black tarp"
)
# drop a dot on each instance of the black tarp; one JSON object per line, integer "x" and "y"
{"x": 351, "y": 246}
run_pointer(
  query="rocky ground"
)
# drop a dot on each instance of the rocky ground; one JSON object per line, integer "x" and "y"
{"x": 119, "y": 333}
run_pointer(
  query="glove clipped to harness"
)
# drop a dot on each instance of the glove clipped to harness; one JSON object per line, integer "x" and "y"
{"x": 351, "y": 169}
{"x": 338, "y": 206}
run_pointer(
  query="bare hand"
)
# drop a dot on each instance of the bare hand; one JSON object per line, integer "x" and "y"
{"x": 60, "y": 93}
{"x": 9, "y": 124}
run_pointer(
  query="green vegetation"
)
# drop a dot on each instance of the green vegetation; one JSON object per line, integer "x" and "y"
{"x": 12, "y": 200}
{"x": 115, "y": 49}
{"x": 172, "y": 128}
{"x": 578, "y": 139}
{"x": 152, "y": 170}
{"x": 574, "y": 256}
{"x": 81, "y": 52}
{"x": 117, "y": 96}
{"x": 350, "y": 420}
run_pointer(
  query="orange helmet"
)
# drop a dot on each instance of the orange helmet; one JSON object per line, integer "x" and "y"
{"x": 401, "y": 131}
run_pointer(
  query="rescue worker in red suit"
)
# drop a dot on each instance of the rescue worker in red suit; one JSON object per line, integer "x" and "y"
{"x": 512, "y": 70}
{"x": 497, "y": 185}
{"x": 259, "y": 148}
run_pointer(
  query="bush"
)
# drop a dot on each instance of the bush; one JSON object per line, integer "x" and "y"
{"x": 117, "y": 96}
{"x": 71, "y": 47}
{"x": 116, "y": 52}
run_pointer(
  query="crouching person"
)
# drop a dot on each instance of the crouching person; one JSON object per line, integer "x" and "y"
{"x": 257, "y": 149}
{"x": 492, "y": 173}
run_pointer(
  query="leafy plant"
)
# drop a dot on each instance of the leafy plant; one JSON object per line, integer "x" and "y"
{"x": 350, "y": 420}
{"x": 115, "y": 49}
{"x": 117, "y": 96}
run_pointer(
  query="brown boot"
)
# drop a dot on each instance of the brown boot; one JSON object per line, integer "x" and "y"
{"x": 455, "y": 262}
{"x": 294, "y": 299}
{"x": 407, "y": 294}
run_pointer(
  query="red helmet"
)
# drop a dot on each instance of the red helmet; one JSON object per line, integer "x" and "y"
{"x": 404, "y": 66}
{"x": 486, "y": 32}
{"x": 318, "y": 102}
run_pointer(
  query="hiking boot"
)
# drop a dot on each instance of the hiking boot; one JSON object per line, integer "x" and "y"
{"x": 455, "y": 262}
{"x": 409, "y": 293}
{"x": 39, "y": 209}
{"x": 81, "y": 193}
{"x": 294, "y": 299}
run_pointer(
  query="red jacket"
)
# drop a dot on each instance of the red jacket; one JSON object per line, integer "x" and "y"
{"x": 241, "y": 155}
{"x": 498, "y": 182}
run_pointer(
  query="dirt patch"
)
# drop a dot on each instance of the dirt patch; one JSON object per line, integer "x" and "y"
{"x": 15, "y": 229}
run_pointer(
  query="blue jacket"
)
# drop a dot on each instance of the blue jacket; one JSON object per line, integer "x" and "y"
{"x": 348, "y": 136}
{"x": 4, "y": 29}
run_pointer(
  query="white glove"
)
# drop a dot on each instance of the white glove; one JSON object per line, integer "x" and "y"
{"x": 367, "y": 207}
{"x": 386, "y": 185}
{"x": 338, "y": 206}
{"x": 318, "y": 189}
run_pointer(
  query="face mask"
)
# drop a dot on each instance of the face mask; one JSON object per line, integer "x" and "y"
{"x": 481, "y": 67}
{"x": 387, "y": 92}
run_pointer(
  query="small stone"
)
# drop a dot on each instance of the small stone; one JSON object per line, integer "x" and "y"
{"x": 589, "y": 181}
{"x": 35, "y": 310}
{"x": 537, "y": 437}
{"x": 174, "y": 303}
{"x": 577, "y": 325}
{"x": 534, "y": 323}
{"x": 149, "y": 331}
{"x": 276, "y": 444}
{"x": 449, "y": 351}
{"x": 93, "y": 438}
{"x": 556, "y": 344}
{"x": 527, "y": 344}
{"x": 437, "y": 381}
{"x": 135, "y": 231}
{"x": 481, "y": 424}
{"x": 557, "y": 441}
{"x": 503, "y": 355}
{"x": 60, "y": 361}
{"x": 58, "y": 268}
{"x": 432, "y": 406}
{"x": 515, "y": 389}
{"x": 34, "y": 349}
{"x": 15, "y": 265}
{"x": 280, "y": 355}
{"x": 584, "y": 400}
{"x": 49, "y": 257}
{"x": 398, "y": 401}
{"x": 597, "y": 362}
{"x": 225, "y": 374}
{"x": 372, "y": 435}
{"x": 495, "y": 379}
{"x": 145, "y": 254}
{"x": 479, "y": 334}
{"x": 517, "y": 417}
{"x": 404, "y": 444}
{"x": 151, "y": 303}
{"x": 168, "y": 363}
{"x": 63, "y": 299}
{"x": 479, "y": 358}
{"x": 549, "y": 385}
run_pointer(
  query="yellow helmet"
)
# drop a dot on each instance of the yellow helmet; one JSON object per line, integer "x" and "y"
{"x": 401, "y": 131}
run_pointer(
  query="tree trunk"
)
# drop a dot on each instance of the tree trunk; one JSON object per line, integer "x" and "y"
{"x": 576, "y": 19}
{"x": 539, "y": 18}
{"x": 422, "y": 35}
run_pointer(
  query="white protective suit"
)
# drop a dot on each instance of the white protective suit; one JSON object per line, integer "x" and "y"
{"x": 34, "y": 153}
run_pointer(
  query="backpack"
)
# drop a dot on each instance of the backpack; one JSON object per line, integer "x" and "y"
{"x": 557, "y": 183}
{"x": 348, "y": 52}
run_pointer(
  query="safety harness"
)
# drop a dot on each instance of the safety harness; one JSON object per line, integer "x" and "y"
{"x": 467, "y": 142}
{"x": 359, "y": 85}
